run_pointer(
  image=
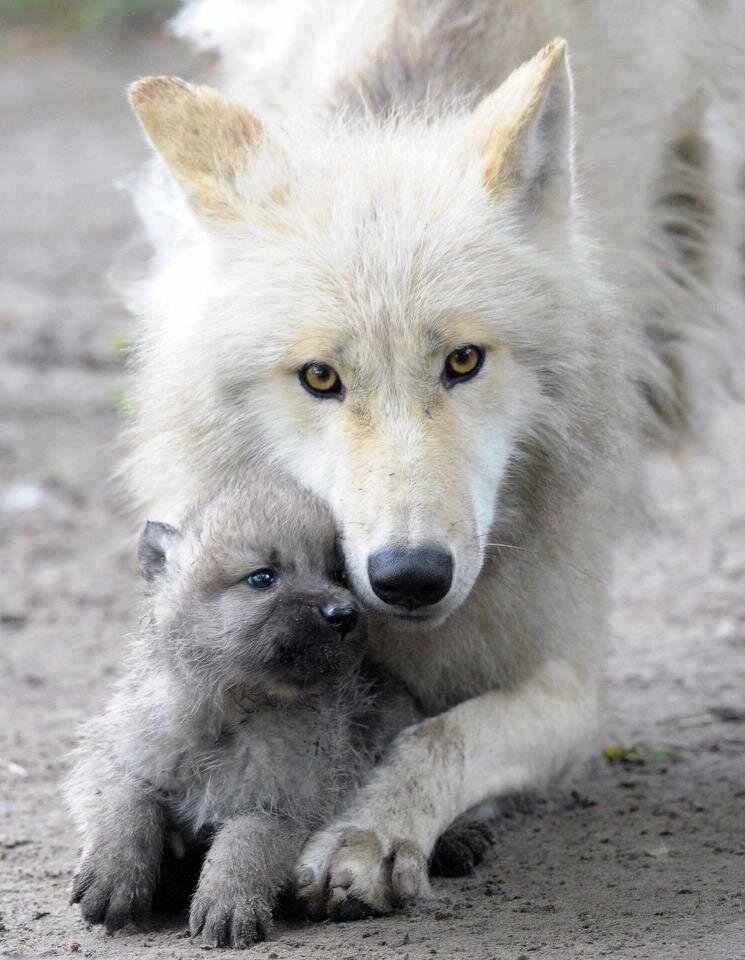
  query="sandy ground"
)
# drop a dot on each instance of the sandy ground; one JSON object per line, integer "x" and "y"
{"x": 631, "y": 859}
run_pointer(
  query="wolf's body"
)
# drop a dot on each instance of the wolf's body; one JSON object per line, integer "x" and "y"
{"x": 372, "y": 217}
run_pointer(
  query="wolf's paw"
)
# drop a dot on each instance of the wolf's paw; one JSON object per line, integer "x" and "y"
{"x": 229, "y": 918}
{"x": 461, "y": 849}
{"x": 114, "y": 886}
{"x": 349, "y": 873}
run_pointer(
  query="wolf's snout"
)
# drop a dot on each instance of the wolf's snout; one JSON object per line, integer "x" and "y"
{"x": 410, "y": 578}
{"x": 341, "y": 617}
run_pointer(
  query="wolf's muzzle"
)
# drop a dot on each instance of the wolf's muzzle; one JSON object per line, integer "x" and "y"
{"x": 410, "y": 578}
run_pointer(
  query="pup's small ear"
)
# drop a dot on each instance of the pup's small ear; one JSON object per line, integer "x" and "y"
{"x": 155, "y": 543}
{"x": 525, "y": 132}
{"x": 206, "y": 140}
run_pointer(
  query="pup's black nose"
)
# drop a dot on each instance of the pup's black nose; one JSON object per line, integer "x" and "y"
{"x": 341, "y": 618}
{"x": 410, "y": 578}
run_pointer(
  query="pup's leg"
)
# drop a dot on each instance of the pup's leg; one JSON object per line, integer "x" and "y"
{"x": 497, "y": 743}
{"x": 250, "y": 859}
{"x": 123, "y": 846}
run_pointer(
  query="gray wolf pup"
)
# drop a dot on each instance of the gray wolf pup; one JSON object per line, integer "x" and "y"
{"x": 451, "y": 285}
{"x": 242, "y": 721}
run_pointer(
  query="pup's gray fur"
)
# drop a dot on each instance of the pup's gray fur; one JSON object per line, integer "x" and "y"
{"x": 243, "y": 717}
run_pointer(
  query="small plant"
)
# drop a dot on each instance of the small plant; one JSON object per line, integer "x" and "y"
{"x": 640, "y": 754}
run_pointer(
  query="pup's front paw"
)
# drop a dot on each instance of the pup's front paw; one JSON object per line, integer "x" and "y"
{"x": 115, "y": 886}
{"x": 348, "y": 873}
{"x": 229, "y": 918}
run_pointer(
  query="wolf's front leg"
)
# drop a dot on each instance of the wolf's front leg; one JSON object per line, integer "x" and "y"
{"x": 377, "y": 853}
{"x": 250, "y": 860}
{"x": 122, "y": 851}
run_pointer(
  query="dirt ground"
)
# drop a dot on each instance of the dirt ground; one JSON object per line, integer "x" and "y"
{"x": 635, "y": 858}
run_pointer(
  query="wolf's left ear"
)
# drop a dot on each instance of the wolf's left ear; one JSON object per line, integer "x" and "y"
{"x": 155, "y": 543}
{"x": 525, "y": 133}
{"x": 206, "y": 140}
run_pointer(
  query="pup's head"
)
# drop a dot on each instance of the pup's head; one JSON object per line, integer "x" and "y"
{"x": 388, "y": 311}
{"x": 248, "y": 594}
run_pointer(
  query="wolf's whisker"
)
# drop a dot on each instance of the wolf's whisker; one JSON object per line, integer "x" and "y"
{"x": 567, "y": 563}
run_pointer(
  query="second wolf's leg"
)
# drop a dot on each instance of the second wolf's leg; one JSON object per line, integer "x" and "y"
{"x": 497, "y": 743}
{"x": 250, "y": 859}
{"x": 121, "y": 856}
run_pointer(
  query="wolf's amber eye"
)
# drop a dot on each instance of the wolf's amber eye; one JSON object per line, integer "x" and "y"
{"x": 261, "y": 579}
{"x": 462, "y": 364}
{"x": 320, "y": 379}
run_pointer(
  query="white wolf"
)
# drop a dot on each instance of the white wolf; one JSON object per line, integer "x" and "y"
{"x": 452, "y": 314}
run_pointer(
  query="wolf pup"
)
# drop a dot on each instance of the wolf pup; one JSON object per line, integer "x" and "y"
{"x": 239, "y": 719}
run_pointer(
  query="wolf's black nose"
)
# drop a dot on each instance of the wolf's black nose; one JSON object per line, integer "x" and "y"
{"x": 341, "y": 618}
{"x": 410, "y": 578}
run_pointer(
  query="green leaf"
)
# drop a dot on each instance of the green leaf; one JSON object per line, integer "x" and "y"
{"x": 642, "y": 753}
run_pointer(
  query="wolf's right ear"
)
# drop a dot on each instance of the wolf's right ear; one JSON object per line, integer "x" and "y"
{"x": 206, "y": 141}
{"x": 155, "y": 543}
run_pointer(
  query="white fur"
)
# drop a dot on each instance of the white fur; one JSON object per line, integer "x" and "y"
{"x": 386, "y": 233}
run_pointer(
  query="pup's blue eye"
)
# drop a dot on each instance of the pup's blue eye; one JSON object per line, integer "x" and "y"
{"x": 261, "y": 579}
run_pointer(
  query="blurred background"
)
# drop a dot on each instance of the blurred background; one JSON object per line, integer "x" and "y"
{"x": 76, "y": 18}
{"x": 643, "y": 858}
{"x": 68, "y": 586}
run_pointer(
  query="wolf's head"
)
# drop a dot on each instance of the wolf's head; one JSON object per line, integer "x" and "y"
{"x": 390, "y": 311}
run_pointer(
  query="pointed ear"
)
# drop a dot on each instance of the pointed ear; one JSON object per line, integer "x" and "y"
{"x": 525, "y": 132}
{"x": 155, "y": 543}
{"x": 205, "y": 140}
